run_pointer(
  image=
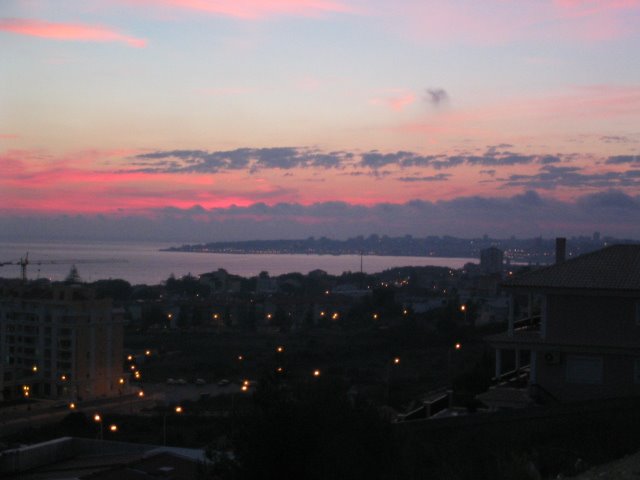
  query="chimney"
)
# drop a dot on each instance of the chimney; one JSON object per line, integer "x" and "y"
{"x": 561, "y": 248}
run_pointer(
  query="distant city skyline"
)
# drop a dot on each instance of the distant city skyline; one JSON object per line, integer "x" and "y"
{"x": 213, "y": 120}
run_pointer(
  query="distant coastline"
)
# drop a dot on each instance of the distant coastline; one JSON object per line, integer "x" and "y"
{"x": 532, "y": 250}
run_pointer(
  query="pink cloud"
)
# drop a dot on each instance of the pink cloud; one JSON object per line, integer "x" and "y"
{"x": 577, "y": 104}
{"x": 91, "y": 181}
{"x": 225, "y": 91}
{"x": 395, "y": 99}
{"x": 68, "y": 31}
{"x": 593, "y": 7}
{"x": 503, "y": 21}
{"x": 309, "y": 83}
{"x": 252, "y": 9}
{"x": 596, "y": 20}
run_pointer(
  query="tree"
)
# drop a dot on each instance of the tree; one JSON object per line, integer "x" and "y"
{"x": 73, "y": 276}
{"x": 314, "y": 432}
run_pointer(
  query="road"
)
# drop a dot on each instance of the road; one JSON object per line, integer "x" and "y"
{"x": 42, "y": 412}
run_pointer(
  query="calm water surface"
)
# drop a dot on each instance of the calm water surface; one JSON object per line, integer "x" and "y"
{"x": 144, "y": 263}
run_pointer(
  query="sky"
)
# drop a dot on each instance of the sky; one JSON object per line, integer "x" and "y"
{"x": 205, "y": 120}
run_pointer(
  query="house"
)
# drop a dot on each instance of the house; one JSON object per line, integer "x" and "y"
{"x": 573, "y": 331}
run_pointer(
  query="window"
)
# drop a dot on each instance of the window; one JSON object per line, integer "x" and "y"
{"x": 584, "y": 369}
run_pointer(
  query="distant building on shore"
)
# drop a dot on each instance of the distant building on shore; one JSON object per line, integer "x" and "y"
{"x": 491, "y": 260}
{"x": 58, "y": 341}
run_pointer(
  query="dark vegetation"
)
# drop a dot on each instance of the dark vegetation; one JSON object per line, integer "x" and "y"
{"x": 319, "y": 430}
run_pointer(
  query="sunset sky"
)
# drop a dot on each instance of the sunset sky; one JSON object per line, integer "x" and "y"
{"x": 199, "y": 120}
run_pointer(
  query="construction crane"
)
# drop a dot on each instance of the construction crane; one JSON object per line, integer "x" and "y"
{"x": 24, "y": 261}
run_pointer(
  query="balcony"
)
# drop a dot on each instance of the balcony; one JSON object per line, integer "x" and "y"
{"x": 529, "y": 324}
{"x": 526, "y": 333}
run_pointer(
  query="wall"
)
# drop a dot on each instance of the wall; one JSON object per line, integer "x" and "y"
{"x": 592, "y": 320}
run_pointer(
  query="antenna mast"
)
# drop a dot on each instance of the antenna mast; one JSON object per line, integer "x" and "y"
{"x": 23, "y": 267}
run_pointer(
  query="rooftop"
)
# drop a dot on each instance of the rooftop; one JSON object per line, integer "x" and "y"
{"x": 70, "y": 458}
{"x": 613, "y": 268}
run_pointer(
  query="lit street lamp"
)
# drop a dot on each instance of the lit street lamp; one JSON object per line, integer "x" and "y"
{"x": 456, "y": 348}
{"x": 178, "y": 410}
{"x": 98, "y": 419}
{"x": 463, "y": 309}
{"x": 390, "y": 365}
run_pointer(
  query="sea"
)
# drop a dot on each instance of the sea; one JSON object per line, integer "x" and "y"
{"x": 145, "y": 263}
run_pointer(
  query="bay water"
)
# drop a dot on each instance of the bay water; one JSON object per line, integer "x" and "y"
{"x": 144, "y": 262}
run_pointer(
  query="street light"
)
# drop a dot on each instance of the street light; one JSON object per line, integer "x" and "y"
{"x": 316, "y": 373}
{"x": 178, "y": 410}
{"x": 390, "y": 365}
{"x": 98, "y": 419}
{"x": 113, "y": 428}
{"x": 280, "y": 349}
{"x": 456, "y": 347}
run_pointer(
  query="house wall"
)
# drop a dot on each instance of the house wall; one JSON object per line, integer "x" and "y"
{"x": 618, "y": 378}
{"x": 592, "y": 320}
